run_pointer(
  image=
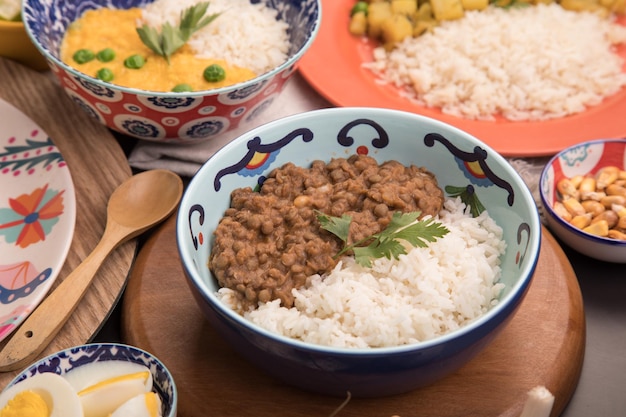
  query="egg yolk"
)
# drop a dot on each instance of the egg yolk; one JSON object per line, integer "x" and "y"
{"x": 142, "y": 405}
{"x": 152, "y": 404}
{"x": 141, "y": 377}
{"x": 26, "y": 404}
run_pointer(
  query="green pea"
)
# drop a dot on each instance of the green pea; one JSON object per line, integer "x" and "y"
{"x": 106, "y": 55}
{"x": 83, "y": 56}
{"x": 181, "y": 88}
{"x": 105, "y": 74}
{"x": 134, "y": 62}
{"x": 360, "y": 6}
{"x": 214, "y": 73}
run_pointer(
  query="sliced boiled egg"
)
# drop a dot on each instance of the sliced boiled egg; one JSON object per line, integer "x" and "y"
{"x": 142, "y": 405}
{"x": 90, "y": 374}
{"x": 103, "y": 398}
{"x": 42, "y": 395}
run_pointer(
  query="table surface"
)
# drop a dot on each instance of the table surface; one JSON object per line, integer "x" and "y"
{"x": 601, "y": 389}
{"x": 602, "y": 386}
{"x": 522, "y": 356}
{"x": 98, "y": 165}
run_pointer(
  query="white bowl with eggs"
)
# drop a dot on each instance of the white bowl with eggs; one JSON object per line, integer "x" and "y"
{"x": 93, "y": 380}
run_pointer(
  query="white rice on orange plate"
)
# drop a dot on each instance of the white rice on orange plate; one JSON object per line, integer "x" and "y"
{"x": 245, "y": 35}
{"x": 530, "y": 63}
{"x": 426, "y": 293}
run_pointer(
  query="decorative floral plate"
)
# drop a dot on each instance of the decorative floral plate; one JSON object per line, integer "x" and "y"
{"x": 37, "y": 215}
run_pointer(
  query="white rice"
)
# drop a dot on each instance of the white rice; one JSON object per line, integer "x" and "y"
{"x": 244, "y": 34}
{"x": 531, "y": 63}
{"x": 426, "y": 293}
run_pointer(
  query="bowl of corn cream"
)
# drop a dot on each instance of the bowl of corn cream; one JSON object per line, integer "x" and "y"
{"x": 169, "y": 71}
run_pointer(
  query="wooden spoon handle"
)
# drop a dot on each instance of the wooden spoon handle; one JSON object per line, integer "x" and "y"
{"x": 44, "y": 323}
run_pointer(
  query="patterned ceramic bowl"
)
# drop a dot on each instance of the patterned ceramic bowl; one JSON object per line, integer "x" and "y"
{"x": 167, "y": 117}
{"x": 463, "y": 165}
{"x": 584, "y": 159}
{"x": 76, "y": 357}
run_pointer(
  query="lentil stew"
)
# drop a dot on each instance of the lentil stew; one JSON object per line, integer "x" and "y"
{"x": 270, "y": 241}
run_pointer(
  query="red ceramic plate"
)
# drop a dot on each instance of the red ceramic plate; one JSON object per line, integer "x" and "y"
{"x": 333, "y": 67}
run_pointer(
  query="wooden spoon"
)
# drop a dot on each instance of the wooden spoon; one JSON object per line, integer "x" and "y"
{"x": 136, "y": 205}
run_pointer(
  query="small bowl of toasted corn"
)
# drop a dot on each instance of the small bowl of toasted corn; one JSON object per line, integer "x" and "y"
{"x": 583, "y": 192}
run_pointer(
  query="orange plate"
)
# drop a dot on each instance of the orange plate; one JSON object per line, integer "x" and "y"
{"x": 332, "y": 67}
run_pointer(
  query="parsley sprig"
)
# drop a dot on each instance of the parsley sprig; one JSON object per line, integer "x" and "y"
{"x": 171, "y": 38}
{"x": 387, "y": 243}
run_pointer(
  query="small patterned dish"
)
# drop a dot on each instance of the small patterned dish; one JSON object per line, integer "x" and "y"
{"x": 37, "y": 215}
{"x": 584, "y": 159}
{"x": 76, "y": 357}
{"x": 161, "y": 116}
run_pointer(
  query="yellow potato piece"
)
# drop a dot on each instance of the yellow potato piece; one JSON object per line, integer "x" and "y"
{"x": 376, "y": 16}
{"x": 406, "y": 7}
{"x": 447, "y": 9}
{"x": 475, "y": 4}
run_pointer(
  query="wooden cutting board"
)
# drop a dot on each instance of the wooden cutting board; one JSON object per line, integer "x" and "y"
{"x": 543, "y": 345}
{"x": 97, "y": 164}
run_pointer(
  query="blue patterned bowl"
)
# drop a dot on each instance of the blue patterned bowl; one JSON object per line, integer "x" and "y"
{"x": 178, "y": 118}
{"x": 463, "y": 166}
{"x": 69, "y": 359}
{"x": 584, "y": 159}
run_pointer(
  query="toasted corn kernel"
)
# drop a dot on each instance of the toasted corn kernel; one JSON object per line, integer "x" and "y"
{"x": 621, "y": 223}
{"x": 606, "y": 176}
{"x": 600, "y": 228}
{"x": 615, "y": 189}
{"x": 621, "y": 174}
{"x": 576, "y": 180}
{"x": 574, "y": 207}
{"x": 593, "y": 207}
{"x": 588, "y": 184}
{"x": 609, "y": 216}
{"x": 567, "y": 188}
{"x": 616, "y": 234}
{"x": 609, "y": 200}
{"x": 592, "y": 195}
{"x": 581, "y": 221}
{"x": 619, "y": 209}
{"x": 562, "y": 212}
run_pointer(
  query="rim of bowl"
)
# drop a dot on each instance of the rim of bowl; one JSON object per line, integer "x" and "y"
{"x": 555, "y": 217}
{"x": 291, "y": 60}
{"x": 513, "y": 295}
{"x": 92, "y": 345}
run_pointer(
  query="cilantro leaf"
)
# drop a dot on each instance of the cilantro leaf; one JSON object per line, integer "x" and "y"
{"x": 389, "y": 242}
{"x": 338, "y": 226}
{"x": 191, "y": 20}
{"x": 172, "y": 38}
{"x": 418, "y": 234}
{"x": 151, "y": 38}
{"x": 388, "y": 248}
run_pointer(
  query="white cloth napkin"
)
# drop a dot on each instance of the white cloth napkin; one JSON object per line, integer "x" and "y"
{"x": 185, "y": 160}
